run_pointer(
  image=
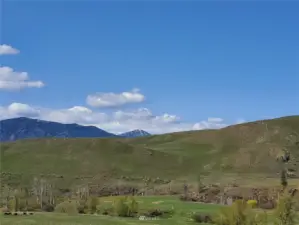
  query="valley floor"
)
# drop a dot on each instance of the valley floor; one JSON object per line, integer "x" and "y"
{"x": 183, "y": 211}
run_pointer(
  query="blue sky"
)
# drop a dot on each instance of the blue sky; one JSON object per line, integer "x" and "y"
{"x": 190, "y": 61}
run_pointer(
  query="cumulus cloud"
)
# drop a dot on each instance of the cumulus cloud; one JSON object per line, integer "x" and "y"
{"x": 102, "y": 100}
{"x": 115, "y": 122}
{"x": 8, "y": 50}
{"x": 18, "y": 110}
{"x": 13, "y": 80}
{"x": 76, "y": 114}
{"x": 239, "y": 121}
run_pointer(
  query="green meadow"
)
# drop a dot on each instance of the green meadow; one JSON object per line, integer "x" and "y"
{"x": 182, "y": 214}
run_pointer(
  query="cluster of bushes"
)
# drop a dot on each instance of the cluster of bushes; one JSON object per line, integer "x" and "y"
{"x": 158, "y": 213}
{"x": 242, "y": 213}
{"x": 202, "y": 218}
{"x": 123, "y": 207}
{"x": 128, "y": 207}
{"x": 16, "y": 204}
{"x": 78, "y": 207}
{"x": 69, "y": 207}
{"x": 27, "y": 205}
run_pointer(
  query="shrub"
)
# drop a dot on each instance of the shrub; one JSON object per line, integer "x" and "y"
{"x": 153, "y": 213}
{"x": 167, "y": 213}
{"x": 81, "y": 209}
{"x": 33, "y": 206}
{"x": 48, "y": 208}
{"x": 267, "y": 205}
{"x": 82, "y": 206}
{"x": 235, "y": 214}
{"x": 296, "y": 199}
{"x": 252, "y": 203}
{"x": 133, "y": 207}
{"x": 257, "y": 219}
{"x": 158, "y": 213}
{"x": 11, "y": 205}
{"x": 14, "y": 204}
{"x": 239, "y": 213}
{"x": 285, "y": 210}
{"x": 202, "y": 218}
{"x": 126, "y": 208}
{"x": 121, "y": 208}
{"x": 105, "y": 210}
{"x": 23, "y": 204}
{"x": 92, "y": 204}
{"x": 69, "y": 207}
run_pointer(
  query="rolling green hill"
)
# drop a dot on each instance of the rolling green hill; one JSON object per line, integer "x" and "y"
{"x": 246, "y": 148}
{"x": 249, "y": 147}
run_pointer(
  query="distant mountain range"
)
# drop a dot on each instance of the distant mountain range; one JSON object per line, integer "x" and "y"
{"x": 24, "y": 128}
{"x": 135, "y": 133}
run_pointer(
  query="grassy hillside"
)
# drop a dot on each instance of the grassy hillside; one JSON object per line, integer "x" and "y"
{"x": 249, "y": 147}
{"x": 245, "y": 148}
{"x": 82, "y": 159}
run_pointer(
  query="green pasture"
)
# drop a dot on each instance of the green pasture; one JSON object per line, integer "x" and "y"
{"x": 183, "y": 211}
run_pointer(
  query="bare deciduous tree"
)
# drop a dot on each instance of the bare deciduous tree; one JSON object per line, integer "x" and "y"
{"x": 39, "y": 187}
{"x": 7, "y": 193}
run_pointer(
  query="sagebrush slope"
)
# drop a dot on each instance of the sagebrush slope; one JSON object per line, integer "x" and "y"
{"x": 245, "y": 148}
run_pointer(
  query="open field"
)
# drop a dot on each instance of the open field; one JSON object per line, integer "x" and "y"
{"x": 56, "y": 219}
{"x": 167, "y": 202}
{"x": 182, "y": 216}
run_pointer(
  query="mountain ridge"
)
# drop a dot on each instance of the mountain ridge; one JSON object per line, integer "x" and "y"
{"x": 27, "y": 128}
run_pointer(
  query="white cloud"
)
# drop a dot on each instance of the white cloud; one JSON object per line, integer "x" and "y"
{"x": 239, "y": 121}
{"x": 18, "y": 109}
{"x": 8, "y": 50}
{"x": 12, "y": 80}
{"x": 76, "y": 114}
{"x": 115, "y": 122}
{"x": 102, "y": 100}
{"x": 208, "y": 125}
